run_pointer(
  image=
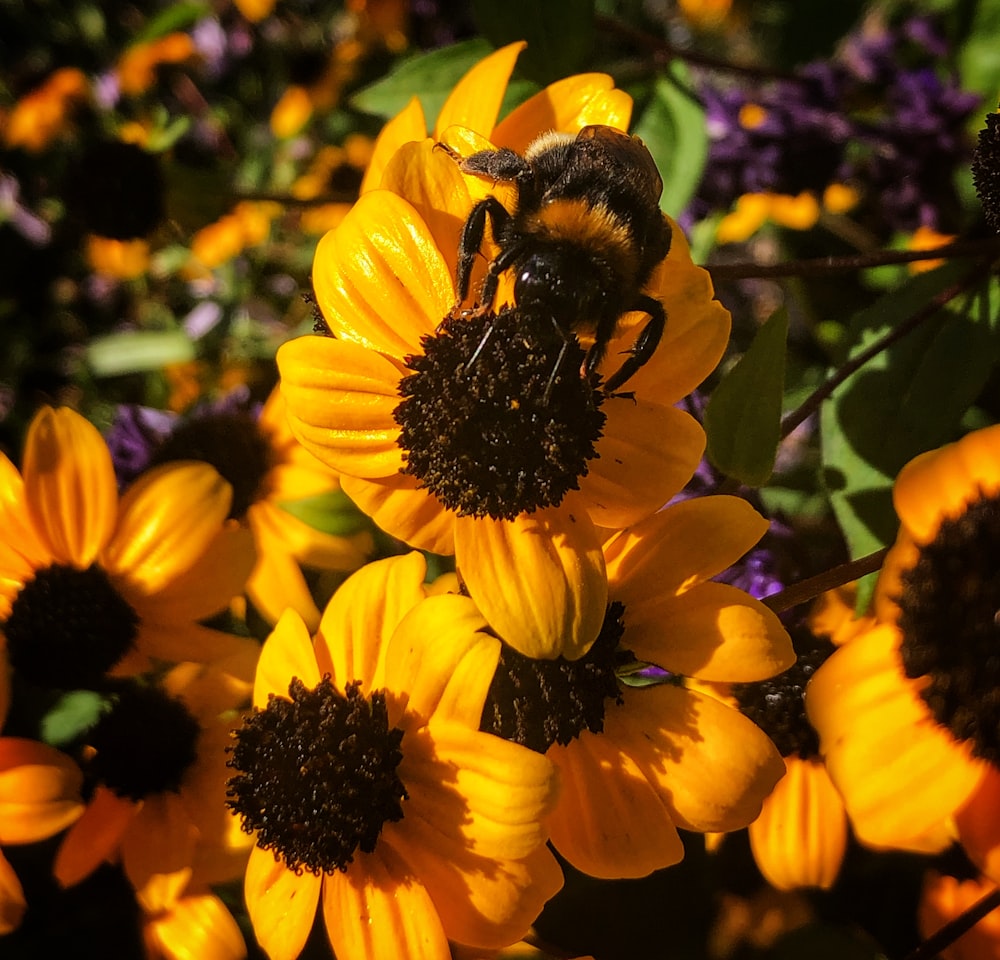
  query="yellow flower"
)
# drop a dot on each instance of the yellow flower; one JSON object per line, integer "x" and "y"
{"x": 906, "y": 710}
{"x": 637, "y": 763}
{"x": 158, "y": 760}
{"x": 40, "y": 116}
{"x": 39, "y": 796}
{"x": 246, "y": 225}
{"x": 91, "y": 583}
{"x": 515, "y": 508}
{"x": 753, "y": 210}
{"x": 926, "y": 238}
{"x": 943, "y": 899}
{"x": 124, "y": 259}
{"x": 437, "y": 834}
{"x": 136, "y": 68}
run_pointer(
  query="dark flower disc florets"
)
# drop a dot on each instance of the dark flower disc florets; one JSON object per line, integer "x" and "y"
{"x": 496, "y": 419}
{"x": 540, "y": 702}
{"x": 986, "y": 170}
{"x": 317, "y": 775}
{"x": 950, "y": 619}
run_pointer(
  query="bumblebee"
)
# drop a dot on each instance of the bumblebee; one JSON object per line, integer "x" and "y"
{"x": 582, "y": 241}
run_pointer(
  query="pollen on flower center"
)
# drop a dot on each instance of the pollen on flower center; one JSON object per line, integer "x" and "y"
{"x": 68, "y": 627}
{"x": 145, "y": 744}
{"x": 317, "y": 775}
{"x": 231, "y": 442}
{"x": 950, "y": 621}
{"x": 540, "y": 702}
{"x": 496, "y": 419}
{"x": 777, "y": 705}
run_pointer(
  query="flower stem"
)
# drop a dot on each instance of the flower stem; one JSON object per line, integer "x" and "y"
{"x": 830, "y": 579}
{"x": 952, "y": 930}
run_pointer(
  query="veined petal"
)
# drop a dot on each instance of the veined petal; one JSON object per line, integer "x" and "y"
{"x": 712, "y": 766}
{"x": 568, "y": 105}
{"x": 21, "y": 542}
{"x": 409, "y": 124}
{"x": 69, "y": 485}
{"x": 361, "y": 616}
{"x": 276, "y": 530}
{"x": 714, "y": 632}
{"x": 900, "y": 773}
{"x": 158, "y": 846}
{"x": 12, "y": 902}
{"x": 277, "y": 583}
{"x": 39, "y": 790}
{"x": 685, "y": 544}
{"x": 196, "y": 926}
{"x": 491, "y": 794}
{"x": 379, "y": 277}
{"x": 379, "y": 908}
{"x": 94, "y": 838}
{"x": 287, "y": 653}
{"x": 168, "y": 519}
{"x": 475, "y": 100}
{"x": 942, "y": 482}
{"x": 800, "y": 836}
{"x": 539, "y": 578}
{"x": 979, "y": 828}
{"x": 404, "y": 509}
{"x": 440, "y": 662}
{"x": 432, "y": 183}
{"x": 340, "y": 401}
{"x": 281, "y": 904}
{"x": 610, "y": 821}
{"x": 648, "y": 452}
{"x": 177, "y": 642}
{"x": 695, "y": 337}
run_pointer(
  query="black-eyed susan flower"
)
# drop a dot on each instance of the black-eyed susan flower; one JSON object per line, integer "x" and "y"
{"x": 44, "y": 114}
{"x": 450, "y": 429}
{"x": 156, "y": 763}
{"x": 907, "y": 710}
{"x": 247, "y": 225}
{"x": 637, "y": 763}
{"x": 137, "y": 67}
{"x": 371, "y": 792}
{"x": 269, "y": 472}
{"x": 944, "y": 898}
{"x": 92, "y": 584}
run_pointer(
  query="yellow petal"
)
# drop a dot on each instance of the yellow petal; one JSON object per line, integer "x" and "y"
{"x": 568, "y": 105}
{"x": 21, "y": 544}
{"x": 475, "y": 100}
{"x": 800, "y": 836}
{"x": 409, "y": 124}
{"x": 276, "y": 531}
{"x": 489, "y": 793}
{"x": 407, "y": 511}
{"x": 714, "y": 632}
{"x": 281, "y": 904}
{"x": 979, "y": 828}
{"x": 900, "y": 773}
{"x": 39, "y": 790}
{"x": 94, "y": 838}
{"x": 539, "y": 578}
{"x": 610, "y": 821}
{"x": 340, "y": 401}
{"x": 196, "y": 926}
{"x": 440, "y": 664}
{"x": 379, "y": 908}
{"x": 712, "y": 766}
{"x": 12, "y": 902}
{"x": 69, "y": 485}
{"x": 176, "y": 642}
{"x": 159, "y": 845}
{"x": 647, "y": 454}
{"x": 287, "y": 653}
{"x": 168, "y": 519}
{"x": 361, "y": 617}
{"x": 683, "y": 545}
{"x": 379, "y": 277}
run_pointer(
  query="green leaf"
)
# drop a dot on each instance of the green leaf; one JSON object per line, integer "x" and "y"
{"x": 979, "y": 55}
{"x": 120, "y": 353}
{"x": 332, "y": 513}
{"x": 72, "y": 714}
{"x": 429, "y": 76}
{"x": 908, "y": 399}
{"x": 743, "y": 416}
{"x": 560, "y": 33}
{"x": 673, "y": 128}
{"x": 180, "y": 16}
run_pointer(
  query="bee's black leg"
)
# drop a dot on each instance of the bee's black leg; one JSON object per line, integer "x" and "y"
{"x": 471, "y": 240}
{"x": 644, "y": 346}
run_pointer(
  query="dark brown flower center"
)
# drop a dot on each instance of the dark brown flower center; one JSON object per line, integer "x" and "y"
{"x": 317, "y": 775}
{"x": 950, "y": 620}
{"x": 233, "y": 443}
{"x": 496, "y": 419}
{"x": 540, "y": 702}
{"x": 777, "y": 705}
{"x": 68, "y": 627}
{"x": 145, "y": 744}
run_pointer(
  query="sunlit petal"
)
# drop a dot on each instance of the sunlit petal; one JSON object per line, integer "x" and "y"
{"x": 287, "y": 653}
{"x": 409, "y": 124}
{"x": 475, "y": 100}
{"x": 280, "y": 903}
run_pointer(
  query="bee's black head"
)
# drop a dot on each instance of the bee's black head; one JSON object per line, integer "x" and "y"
{"x": 564, "y": 281}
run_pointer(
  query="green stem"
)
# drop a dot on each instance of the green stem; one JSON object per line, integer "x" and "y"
{"x": 830, "y": 579}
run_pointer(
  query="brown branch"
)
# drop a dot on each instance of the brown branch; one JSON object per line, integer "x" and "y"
{"x": 952, "y": 930}
{"x": 830, "y": 579}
